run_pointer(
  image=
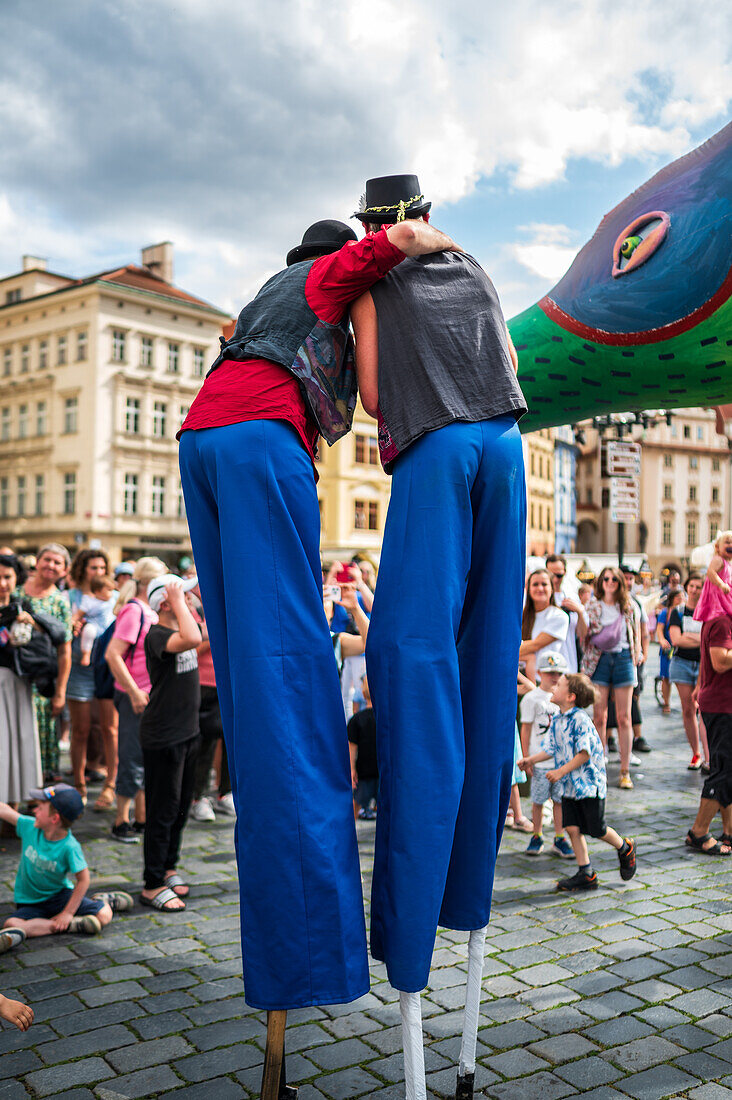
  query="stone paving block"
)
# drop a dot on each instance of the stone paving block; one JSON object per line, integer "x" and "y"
{"x": 142, "y": 1055}
{"x": 81, "y": 1021}
{"x": 142, "y": 1085}
{"x": 718, "y": 1024}
{"x": 12, "y": 1090}
{"x": 503, "y": 1036}
{"x": 392, "y": 1068}
{"x": 701, "y": 1002}
{"x": 164, "y": 1023}
{"x": 199, "y": 1067}
{"x": 387, "y": 1040}
{"x": 637, "y": 970}
{"x": 112, "y": 993}
{"x": 442, "y": 1083}
{"x": 653, "y": 1084}
{"x": 347, "y": 1083}
{"x": 556, "y": 1021}
{"x": 622, "y": 1030}
{"x": 516, "y": 1063}
{"x": 661, "y": 1016}
{"x": 703, "y": 1065}
{"x": 19, "y": 1063}
{"x": 213, "y": 1011}
{"x": 543, "y": 974}
{"x": 541, "y": 1086}
{"x": 640, "y": 1054}
{"x": 223, "y": 1088}
{"x": 169, "y": 1002}
{"x": 688, "y": 1035}
{"x": 11, "y": 1039}
{"x": 348, "y": 1052}
{"x": 594, "y": 982}
{"x": 653, "y": 990}
{"x": 563, "y": 1048}
{"x": 97, "y": 1041}
{"x": 548, "y": 996}
{"x": 123, "y": 973}
{"x": 226, "y": 1032}
{"x": 73, "y": 1094}
{"x": 710, "y": 1092}
{"x": 56, "y": 1007}
{"x": 610, "y": 1005}
{"x": 44, "y": 1082}
{"x": 55, "y": 986}
{"x": 588, "y": 1073}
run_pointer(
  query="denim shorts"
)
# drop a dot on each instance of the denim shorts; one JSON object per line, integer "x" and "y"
{"x": 615, "y": 670}
{"x": 542, "y": 790}
{"x": 130, "y": 768}
{"x": 80, "y": 687}
{"x": 52, "y": 906}
{"x": 683, "y": 671}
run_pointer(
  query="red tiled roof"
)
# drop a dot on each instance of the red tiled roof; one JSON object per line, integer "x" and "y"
{"x": 141, "y": 279}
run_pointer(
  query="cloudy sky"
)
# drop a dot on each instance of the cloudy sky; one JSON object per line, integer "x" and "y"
{"x": 229, "y": 126}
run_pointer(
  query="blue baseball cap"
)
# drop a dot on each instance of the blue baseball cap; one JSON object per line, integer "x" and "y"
{"x": 62, "y": 797}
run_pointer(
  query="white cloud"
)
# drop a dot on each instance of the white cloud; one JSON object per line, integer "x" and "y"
{"x": 548, "y": 252}
{"x": 229, "y": 127}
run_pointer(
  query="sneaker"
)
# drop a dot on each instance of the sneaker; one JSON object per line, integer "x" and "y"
{"x": 202, "y": 810}
{"x": 138, "y": 827}
{"x": 612, "y": 745}
{"x": 695, "y": 763}
{"x": 535, "y": 846}
{"x": 580, "y": 881}
{"x": 562, "y": 848}
{"x": 641, "y": 745}
{"x": 125, "y": 834}
{"x": 224, "y": 804}
{"x": 368, "y": 814}
{"x": 634, "y": 760}
{"x": 9, "y": 938}
{"x": 627, "y": 862}
{"x": 625, "y": 782}
{"x": 117, "y": 900}
{"x": 88, "y": 925}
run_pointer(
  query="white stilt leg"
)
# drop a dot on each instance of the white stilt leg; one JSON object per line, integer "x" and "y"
{"x": 412, "y": 1039}
{"x": 476, "y": 946}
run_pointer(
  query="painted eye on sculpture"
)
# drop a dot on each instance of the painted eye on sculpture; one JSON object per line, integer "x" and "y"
{"x": 638, "y": 241}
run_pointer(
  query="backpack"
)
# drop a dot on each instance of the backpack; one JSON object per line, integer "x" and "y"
{"x": 37, "y": 661}
{"x": 103, "y": 678}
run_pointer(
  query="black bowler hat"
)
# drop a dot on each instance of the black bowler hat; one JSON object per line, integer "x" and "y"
{"x": 390, "y": 199}
{"x": 320, "y": 239}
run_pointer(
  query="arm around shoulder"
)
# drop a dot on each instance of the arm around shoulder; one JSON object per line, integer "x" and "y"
{"x": 418, "y": 238}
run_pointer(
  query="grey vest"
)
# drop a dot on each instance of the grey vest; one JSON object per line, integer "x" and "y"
{"x": 443, "y": 352}
{"x": 279, "y": 325}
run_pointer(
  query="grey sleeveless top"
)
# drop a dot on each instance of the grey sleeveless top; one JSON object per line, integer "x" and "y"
{"x": 443, "y": 352}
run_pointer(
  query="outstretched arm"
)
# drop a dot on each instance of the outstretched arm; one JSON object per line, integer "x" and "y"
{"x": 366, "y": 329}
{"x": 417, "y": 238}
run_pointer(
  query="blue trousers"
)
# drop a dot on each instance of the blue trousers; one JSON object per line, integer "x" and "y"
{"x": 255, "y": 527}
{"x": 442, "y": 657}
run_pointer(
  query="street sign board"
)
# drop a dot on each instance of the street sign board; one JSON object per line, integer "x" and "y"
{"x": 623, "y": 458}
{"x": 625, "y": 499}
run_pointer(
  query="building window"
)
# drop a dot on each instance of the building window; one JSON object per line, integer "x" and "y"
{"x": 360, "y": 453}
{"x": 359, "y": 515}
{"x": 715, "y": 465}
{"x": 61, "y": 351}
{"x": 687, "y": 431}
{"x": 713, "y": 530}
{"x": 69, "y": 500}
{"x": 183, "y": 412}
{"x": 160, "y": 416}
{"x": 119, "y": 337}
{"x": 589, "y": 495}
{"x": 532, "y": 524}
{"x": 668, "y": 491}
{"x": 692, "y": 493}
{"x": 12, "y": 296}
{"x": 198, "y": 365}
{"x": 82, "y": 346}
{"x": 674, "y": 430}
{"x": 373, "y": 515}
{"x": 4, "y": 497}
{"x": 693, "y": 462}
{"x": 668, "y": 461}
{"x": 5, "y": 418}
{"x": 666, "y": 535}
{"x": 130, "y": 498}
{"x": 23, "y": 422}
{"x": 43, "y": 355}
{"x": 40, "y": 494}
{"x": 699, "y": 432}
{"x": 691, "y": 532}
{"x": 71, "y": 415}
{"x": 25, "y": 359}
{"x": 7, "y": 361}
{"x": 715, "y": 494}
{"x": 21, "y": 496}
{"x": 146, "y": 351}
{"x": 173, "y": 358}
{"x": 132, "y": 416}
{"x": 158, "y": 496}
{"x": 181, "y": 503}
{"x": 373, "y": 451}
{"x": 41, "y": 418}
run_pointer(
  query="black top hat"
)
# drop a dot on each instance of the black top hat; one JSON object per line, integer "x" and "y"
{"x": 320, "y": 239}
{"x": 390, "y": 199}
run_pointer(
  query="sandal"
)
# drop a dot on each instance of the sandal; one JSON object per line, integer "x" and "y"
{"x": 697, "y": 844}
{"x": 106, "y": 799}
{"x": 725, "y": 838}
{"x": 174, "y": 881}
{"x": 162, "y": 901}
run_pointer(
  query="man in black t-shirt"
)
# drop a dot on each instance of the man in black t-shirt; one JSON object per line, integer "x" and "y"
{"x": 364, "y": 765}
{"x": 169, "y": 737}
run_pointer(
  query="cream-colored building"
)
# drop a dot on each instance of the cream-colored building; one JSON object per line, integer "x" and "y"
{"x": 353, "y": 492}
{"x": 96, "y": 375}
{"x": 540, "y": 502}
{"x": 684, "y": 490}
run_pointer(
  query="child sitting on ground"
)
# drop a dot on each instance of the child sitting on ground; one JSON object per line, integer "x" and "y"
{"x": 92, "y": 612}
{"x": 537, "y": 711}
{"x": 716, "y": 597}
{"x": 575, "y": 745}
{"x": 47, "y": 900}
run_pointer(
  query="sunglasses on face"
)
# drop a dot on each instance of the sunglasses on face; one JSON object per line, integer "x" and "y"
{"x": 609, "y": 580}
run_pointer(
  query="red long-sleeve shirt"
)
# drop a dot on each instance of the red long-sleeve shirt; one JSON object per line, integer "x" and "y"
{"x": 258, "y": 389}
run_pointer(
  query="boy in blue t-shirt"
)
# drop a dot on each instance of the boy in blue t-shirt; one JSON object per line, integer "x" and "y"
{"x": 53, "y": 877}
{"x": 574, "y": 744}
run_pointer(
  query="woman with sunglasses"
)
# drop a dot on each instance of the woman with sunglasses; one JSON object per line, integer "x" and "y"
{"x": 612, "y": 651}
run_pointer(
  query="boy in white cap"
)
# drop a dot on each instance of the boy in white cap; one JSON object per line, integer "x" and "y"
{"x": 537, "y": 711}
{"x": 46, "y": 898}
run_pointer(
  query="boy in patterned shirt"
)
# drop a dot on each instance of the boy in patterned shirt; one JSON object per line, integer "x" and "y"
{"x": 574, "y": 744}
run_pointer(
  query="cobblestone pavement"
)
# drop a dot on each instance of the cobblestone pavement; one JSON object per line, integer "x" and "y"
{"x": 626, "y": 992}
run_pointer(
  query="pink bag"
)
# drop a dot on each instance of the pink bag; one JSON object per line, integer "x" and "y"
{"x": 609, "y": 636}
